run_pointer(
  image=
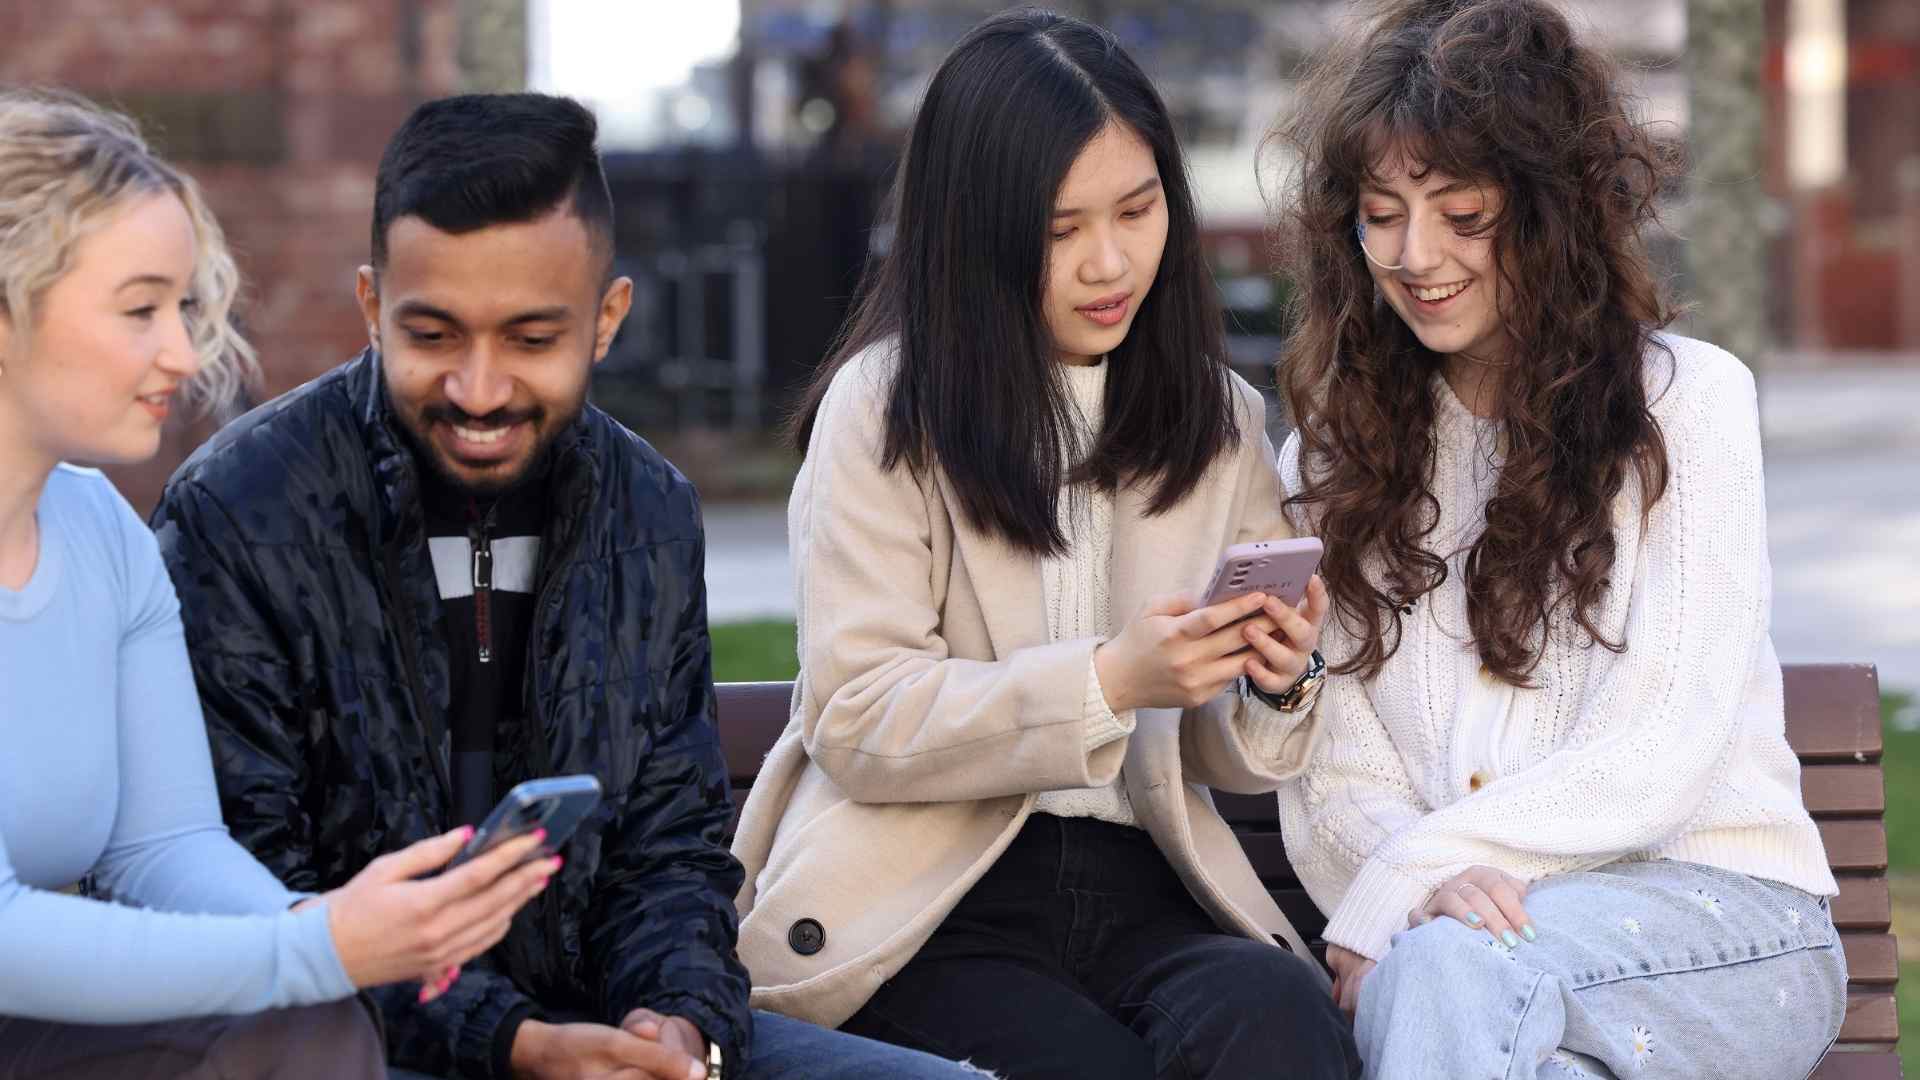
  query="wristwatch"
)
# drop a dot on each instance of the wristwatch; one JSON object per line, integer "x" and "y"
{"x": 1302, "y": 694}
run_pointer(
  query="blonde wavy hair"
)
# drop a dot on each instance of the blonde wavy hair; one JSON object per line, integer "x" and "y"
{"x": 65, "y": 166}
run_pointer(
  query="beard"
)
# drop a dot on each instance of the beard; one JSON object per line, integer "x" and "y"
{"x": 491, "y": 481}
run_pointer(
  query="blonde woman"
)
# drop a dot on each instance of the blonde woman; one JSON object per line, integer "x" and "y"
{"x": 115, "y": 288}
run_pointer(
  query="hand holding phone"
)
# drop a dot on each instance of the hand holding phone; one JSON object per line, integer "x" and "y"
{"x": 1277, "y": 568}
{"x": 1179, "y": 655}
{"x": 557, "y": 804}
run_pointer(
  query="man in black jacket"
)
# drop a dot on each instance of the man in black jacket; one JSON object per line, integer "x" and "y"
{"x": 436, "y": 571}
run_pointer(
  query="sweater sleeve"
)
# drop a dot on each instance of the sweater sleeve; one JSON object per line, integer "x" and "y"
{"x": 1354, "y": 796}
{"x": 1658, "y": 726}
{"x": 217, "y": 938}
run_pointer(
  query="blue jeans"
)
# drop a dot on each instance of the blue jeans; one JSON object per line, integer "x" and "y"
{"x": 789, "y": 1049}
{"x": 1641, "y": 969}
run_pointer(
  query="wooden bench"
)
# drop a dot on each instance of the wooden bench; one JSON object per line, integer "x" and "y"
{"x": 1833, "y": 723}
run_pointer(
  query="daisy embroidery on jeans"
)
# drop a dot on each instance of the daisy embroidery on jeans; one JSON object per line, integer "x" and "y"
{"x": 1794, "y": 917}
{"x": 1642, "y": 1046}
{"x": 1630, "y": 924}
{"x": 1566, "y": 1063}
{"x": 1780, "y": 998}
{"x": 1706, "y": 900}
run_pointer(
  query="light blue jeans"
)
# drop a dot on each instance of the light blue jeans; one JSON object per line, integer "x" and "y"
{"x": 1641, "y": 969}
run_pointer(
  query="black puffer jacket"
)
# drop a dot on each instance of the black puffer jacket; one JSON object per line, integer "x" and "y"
{"x": 297, "y": 543}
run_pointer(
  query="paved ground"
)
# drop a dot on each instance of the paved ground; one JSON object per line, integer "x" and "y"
{"x": 1843, "y": 507}
{"x": 1843, "y": 495}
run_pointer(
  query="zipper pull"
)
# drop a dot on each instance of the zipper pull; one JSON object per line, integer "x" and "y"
{"x": 483, "y": 592}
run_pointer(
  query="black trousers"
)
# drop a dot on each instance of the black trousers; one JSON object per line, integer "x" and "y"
{"x": 1081, "y": 954}
{"x": 337, "y": 1041}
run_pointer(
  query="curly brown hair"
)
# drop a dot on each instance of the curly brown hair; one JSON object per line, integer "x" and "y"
{"x": 1498, "y": 92}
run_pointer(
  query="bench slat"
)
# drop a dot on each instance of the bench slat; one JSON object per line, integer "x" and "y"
{"x": 1871, "y": 1017}
{"x": 1831, "y": 790}
{"x": 1878, "y": 1065}
{"x": 1863, "y": 903}
{"x": 1873, "y": 959}
{"x": 1855, "y": 844}
{"x": 1833, "y": 712}
{"x": 752, "y": 715}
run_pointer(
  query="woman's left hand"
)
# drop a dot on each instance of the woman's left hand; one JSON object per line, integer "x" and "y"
{"x": 1483, "y": 898}
{"x": 1280, "y": 658}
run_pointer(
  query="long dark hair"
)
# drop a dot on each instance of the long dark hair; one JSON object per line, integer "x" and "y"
{"x": 978, "y": 390}
{"x": 1499, "y": 92}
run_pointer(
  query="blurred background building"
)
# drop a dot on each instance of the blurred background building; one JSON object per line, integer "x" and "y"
{"x": 750, "y": 143}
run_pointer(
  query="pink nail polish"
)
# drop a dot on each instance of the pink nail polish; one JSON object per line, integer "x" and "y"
{"x": 426, "y": 994}
{"x": 539, "y": 836}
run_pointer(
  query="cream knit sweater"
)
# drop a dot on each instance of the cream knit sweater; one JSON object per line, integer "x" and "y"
{"x": 1675, "y": 748}
{"x": 1077, "y": 597}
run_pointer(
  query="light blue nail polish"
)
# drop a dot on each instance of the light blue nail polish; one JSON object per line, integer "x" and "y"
{"x": 1527, "y": 932}
{"x": 1507, "y": 936}
{"x": 1473, "y": 918}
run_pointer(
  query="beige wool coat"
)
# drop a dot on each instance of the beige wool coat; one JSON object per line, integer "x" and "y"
{"x": 931, "y": 708}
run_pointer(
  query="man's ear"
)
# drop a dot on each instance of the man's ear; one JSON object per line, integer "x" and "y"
{"x": 614, "y": 304}
{"x": 366, "y": 290}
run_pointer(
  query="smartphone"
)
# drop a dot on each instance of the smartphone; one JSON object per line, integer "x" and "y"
{"x": 557, "y": 804}
{"x": 1279, "y": 568}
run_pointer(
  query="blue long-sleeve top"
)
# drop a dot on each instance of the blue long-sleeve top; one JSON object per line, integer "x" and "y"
{"x": 104, "y": 770}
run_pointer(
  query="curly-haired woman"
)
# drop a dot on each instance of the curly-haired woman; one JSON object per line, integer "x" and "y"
{"x": 1554, "y": 819}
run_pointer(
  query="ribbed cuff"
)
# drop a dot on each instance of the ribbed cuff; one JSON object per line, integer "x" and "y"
{"x": 1103, "y": 724}
{"x": 1374, "y": 909}
{"x": 1265, "y": 728}
{"x": 504, "y": 1035}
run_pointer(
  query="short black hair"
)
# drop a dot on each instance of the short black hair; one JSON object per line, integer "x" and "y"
{"x": 476, "y": 160}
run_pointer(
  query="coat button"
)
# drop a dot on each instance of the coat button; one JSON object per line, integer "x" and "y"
{"x": 807, "y": 937}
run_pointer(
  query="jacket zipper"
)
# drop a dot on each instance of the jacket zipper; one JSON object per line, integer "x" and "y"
{"x": 481, "y": 537}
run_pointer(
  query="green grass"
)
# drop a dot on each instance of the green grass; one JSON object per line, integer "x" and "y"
{"x": 1901, "y": 763}
{"x": 760, "y": 651}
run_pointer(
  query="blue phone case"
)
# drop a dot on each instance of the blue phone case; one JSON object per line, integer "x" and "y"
{"x": 558, "y": 804}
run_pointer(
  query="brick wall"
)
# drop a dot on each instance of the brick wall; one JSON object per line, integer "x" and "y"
{"x": 280, "y": 108}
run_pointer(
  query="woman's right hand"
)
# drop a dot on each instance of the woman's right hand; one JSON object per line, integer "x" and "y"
{"x": 1177, "y": 656}
{"x": 1349, "y": 970}
{"x": 391, "y": 925}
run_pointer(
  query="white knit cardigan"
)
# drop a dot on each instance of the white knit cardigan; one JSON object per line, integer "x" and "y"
{"x": 1675, "y": 748}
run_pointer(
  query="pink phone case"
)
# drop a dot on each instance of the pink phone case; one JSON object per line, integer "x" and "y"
{"x": 1279, "y": 568}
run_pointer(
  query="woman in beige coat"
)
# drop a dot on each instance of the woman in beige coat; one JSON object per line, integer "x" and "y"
{"x": 987, "y": 832}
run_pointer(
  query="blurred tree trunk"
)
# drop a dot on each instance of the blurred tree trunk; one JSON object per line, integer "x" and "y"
{"x": 493, "y": 45}
{"x": 1726, "y": 238}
